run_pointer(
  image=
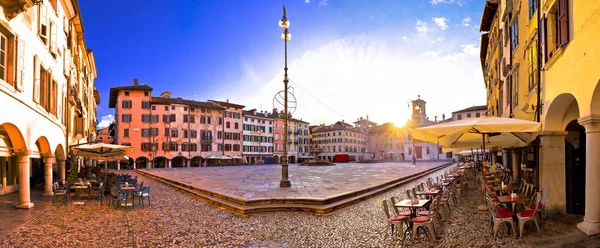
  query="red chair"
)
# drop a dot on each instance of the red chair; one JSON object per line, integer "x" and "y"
{"x": 530, "y": 214}
{"x": 499, "y": 217}
{"x": 397, "y": 222}
{"x": 426, "y": 222}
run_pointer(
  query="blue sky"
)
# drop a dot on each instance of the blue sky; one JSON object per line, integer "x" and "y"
{"x": 347, "y": 58}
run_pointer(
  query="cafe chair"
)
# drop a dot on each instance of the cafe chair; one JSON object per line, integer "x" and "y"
{"x": 530, "y": 214}
{"x": 499, "y": 216}
{"x": 396, "y": 222}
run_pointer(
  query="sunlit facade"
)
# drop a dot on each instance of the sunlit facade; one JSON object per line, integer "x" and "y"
{"x": 552, "y": 77}
{"x": 47, "y": 93}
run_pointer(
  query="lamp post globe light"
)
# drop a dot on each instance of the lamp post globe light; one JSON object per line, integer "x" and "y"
{"x": 285, "y": 24}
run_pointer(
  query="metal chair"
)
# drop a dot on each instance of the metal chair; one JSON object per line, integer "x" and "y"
{"x": 59, "y": 193}
{"x": 499, "y": 217}
{"x": 144, "y": 193}
{"x": 425, "y": 223}
{"x": 530, "y": 214}
{"x": 395, "y": 222}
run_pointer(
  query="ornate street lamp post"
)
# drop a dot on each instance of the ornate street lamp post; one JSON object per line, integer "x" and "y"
{"x": 285, "y": 182}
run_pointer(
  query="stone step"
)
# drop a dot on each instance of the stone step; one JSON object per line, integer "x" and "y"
{"x": 319, "y": 206}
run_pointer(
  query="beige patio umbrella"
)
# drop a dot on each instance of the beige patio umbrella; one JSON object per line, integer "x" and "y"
{"x": 102, "y": 150}
{"x": 472, "y": 133}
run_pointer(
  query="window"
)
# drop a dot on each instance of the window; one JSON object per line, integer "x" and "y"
{"x": 219, "y": 135}
{"x": 220, "y": 121}
{"x": 154, "y": 118}
{"x": 193, "y": 134}
{"x": 126, "y": 104}
{"x": 145, "y": 132}
{"x": 146, "y": 93}
{"x": 532, "y": 7}
{"x": 48, "y": 91}
{"x": 227, "y": 124}
{"x": 459, "y": 117}
{"x": 145, "y": 105}
{"x": 469, "y": 115}
{"x": 227, "y": 147}
{"x": 477, "y": 114}
{"x": 184, "y": 108}
{"x": 236, "y": 125}
{"x": 166, "y": 118}
{"x": 514, "y": 35}
{"x": 126, "y": 93}
{"x": 173, "y": 118}
{"x": 514, "y": 90}
{"x": 185, "y": 118}
{"x": 172, "y": 107}
{"x": 236, "y": 147}
{"x": 532, "y": 64}
{"x": 166, "y": 108}
{"x": 202, "y": 119}
{"x": 145, "y": 118}
{"x": 208, "y": 120}
{"x": 126, "y": 117}
{"x": 44, "y": 31}
{"x": 167, "y": 131}
{"x": 4, "y": 58}
{"x": 427, "y": 150}
{"x": 185, "y": 134}
{"x": 153, "y": 107}
{"x": 126, "y": 132}
{"x": 174, "y": 133}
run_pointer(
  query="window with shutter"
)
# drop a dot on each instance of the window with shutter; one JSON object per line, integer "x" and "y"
{"x": 563, "y": 22}
{"x": 20, "y": 73}
{"x": 53, "y": 38}
{"x": 43, "y": 27}
{"x": 543, "y": 40}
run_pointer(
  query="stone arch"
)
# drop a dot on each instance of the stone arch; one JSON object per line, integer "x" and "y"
{"x": 161, "y": 162}
{"x": 595, "y": 103}
{"x": 15, "y": 137}
{"x": 43, "y": 146}
{"x": 562, "y": 110}
{"x": 179, "y": 161}
{"x": 59, "y": 152}
{"x": 197, "y": 161}
{"x": 141, "y": 162}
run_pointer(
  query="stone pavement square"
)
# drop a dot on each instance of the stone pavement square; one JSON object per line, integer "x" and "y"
{"x": 308, "y": 182}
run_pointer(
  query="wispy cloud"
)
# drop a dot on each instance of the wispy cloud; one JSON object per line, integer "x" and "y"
{"x": 441, "y": 22}
{"x": 459, "y": 2}
{"x": 353, "y": 76}
{"x": 422, "y": 27}
{"x": 323, "y": 2}
{"x": 466, "y": 22}
{"x": 105, "y": 121}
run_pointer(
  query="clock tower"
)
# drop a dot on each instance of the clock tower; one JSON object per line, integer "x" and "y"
{"x": 419, "y": 115}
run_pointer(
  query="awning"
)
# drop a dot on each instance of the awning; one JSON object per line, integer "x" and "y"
{"x": 237, "y": 157}
{"x": 101, "y": 150}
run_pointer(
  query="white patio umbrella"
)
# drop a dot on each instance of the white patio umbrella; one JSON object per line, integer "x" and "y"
{"x": 472, "y": 133}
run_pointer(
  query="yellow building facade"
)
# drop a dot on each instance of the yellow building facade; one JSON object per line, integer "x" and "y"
{"x": 554, "y": 50}
{"x": 47, "y": 93}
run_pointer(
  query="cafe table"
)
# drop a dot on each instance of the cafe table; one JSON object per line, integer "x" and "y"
{"x": 524, "y": 199}
{"x": 506, "y": 188}
{"x": 428, "y": 193}
{"x": 442, "y": 185}
{"x": 78, "y": 187}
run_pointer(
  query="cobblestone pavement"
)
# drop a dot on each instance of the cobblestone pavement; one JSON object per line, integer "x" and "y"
{"x": 308, "y": 182}
{"x": 178, "y": 219}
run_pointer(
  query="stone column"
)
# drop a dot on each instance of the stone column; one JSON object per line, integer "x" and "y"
{"x": 189, "y": 163}
{"x": 24, "y": 190}
{"x": 119, "y": 165}
{"x": 105, "y": 164}
{"x": 494, "y": 157}
{"x": 552, "y": 170}
{"x": 591, "y": 220}
{"x": 48, "y": 161}
{"x": 169, "y": 164}
{"x": 505, "y": 155}
{"x": 134, "y": 165}
{"x": 62, "y": 171}
{"x": 516, "y": 164}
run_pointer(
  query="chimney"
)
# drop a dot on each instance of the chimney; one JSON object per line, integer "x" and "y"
{"x": 443, "y": 117}
{"x": 435, "y": 119}
{"x": 135, "y": 82}
{"x": 227, "y": 100}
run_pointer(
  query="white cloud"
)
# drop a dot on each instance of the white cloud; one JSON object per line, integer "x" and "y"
{"x": 466, "y": 22}
{"x": 307, "y": 1}
{"x": 105, "y": 121}
{"x": 458, "y": 2}
{"x": 404, "y": 37}
{"x": 323, "y": 2}
{"x": 422, "y": 27}
{"x": 440, "y": 39}
{"x": 441, "y": 22}
{"x": 372, "y": 75}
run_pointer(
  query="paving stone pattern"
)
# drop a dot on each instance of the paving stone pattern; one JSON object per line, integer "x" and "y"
{"x": 179, "y": 219}
{"x": 262, "y": 181}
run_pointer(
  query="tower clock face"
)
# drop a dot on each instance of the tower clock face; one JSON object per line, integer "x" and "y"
{"x": 418, "y": 109}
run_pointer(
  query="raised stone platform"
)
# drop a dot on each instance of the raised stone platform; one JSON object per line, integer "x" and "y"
{"x": 252, "y": 189}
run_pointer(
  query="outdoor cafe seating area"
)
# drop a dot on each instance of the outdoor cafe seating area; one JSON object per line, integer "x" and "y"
{"x": 427, "y": 208}
{"x": 117, "y": 191}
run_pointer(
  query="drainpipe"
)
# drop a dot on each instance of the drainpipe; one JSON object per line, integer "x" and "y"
{"x": 539, "y": 94}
